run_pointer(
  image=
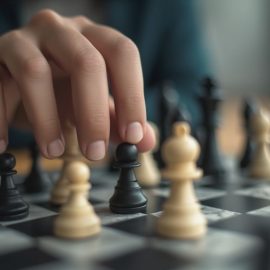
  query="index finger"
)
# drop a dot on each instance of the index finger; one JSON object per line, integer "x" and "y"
{"x": 125, "y": 73}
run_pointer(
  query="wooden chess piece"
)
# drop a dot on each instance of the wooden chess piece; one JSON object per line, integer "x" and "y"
{"x": 77, "y": 218}
{"x": 12, "y": 205}
{"x": 36, "y": 181}
{"x": 181, "y": 217}
{"x": 260, "y": 163}
{"x": 148, "y": 174}
{"x": 249, "y": 109}
{"x": 72, "y": 152}
{"x": 128, "y": 197}
{"x": 209, "y": 100}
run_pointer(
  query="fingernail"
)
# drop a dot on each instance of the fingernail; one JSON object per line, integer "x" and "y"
{"x": 96, "y": 150}
{"x": 134, "y": 132}
{"x": 56, "y": 148}
{"x": 3, "y": 146}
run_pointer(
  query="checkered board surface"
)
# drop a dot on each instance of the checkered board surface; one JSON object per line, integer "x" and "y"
{"x": 235, "y": 214}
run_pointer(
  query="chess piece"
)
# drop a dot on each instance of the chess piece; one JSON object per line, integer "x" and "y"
{"x": 12, "y": 206}
{"x": 77, "y": 218}
{"x": 148, "y": 174}
{"x": 72, "y": 152}
{"x": 181, "y": 217}
{"x": 36, "y": 181}
{"x": 128, "y": 197}
{"x": 168, "y": 102}
{"x": 210, "y": 159}
{"x": 260, "y": 163}
{"x": 249, "y": 109}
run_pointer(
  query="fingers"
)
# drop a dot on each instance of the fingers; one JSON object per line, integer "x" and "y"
{"x": 146, "y": 144}
{"x": 125, "y": 74}
{"x": 31, "y": 72}
{"x": 81, "y": 53}
{"x": 87, "y": 70}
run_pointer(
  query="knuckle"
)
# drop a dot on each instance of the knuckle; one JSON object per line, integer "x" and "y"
{"x": 89, "y": 60}
{"x": 82, "y": 20}
{"x": 45, "y": 16}
{"x": 12, "y": 37}
{"x": 124, "y": 46}
{"x": 34, "y": 67}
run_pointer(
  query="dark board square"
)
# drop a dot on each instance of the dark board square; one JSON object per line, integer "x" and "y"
{"x": 249, "y": 224}
{"x": 25, "y": 258}
{"x": 142, "y": 226}
{"x": 36, "y": 228}
{"x": 236, "y": 203}
{"x": 144, "y": 259}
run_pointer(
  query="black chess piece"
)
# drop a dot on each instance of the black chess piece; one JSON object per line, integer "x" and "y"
{"x": 36, "y": 181}
{"x": 12, "y": 206}
{"x": 249, "y": 109}
{"x": 167, "y": 103}
{"x": 171, "y": 110}
{"x": 128, "y": 197}
{"x": 210, "y": 159}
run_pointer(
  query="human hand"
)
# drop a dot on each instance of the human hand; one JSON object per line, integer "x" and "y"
{"x": 59, "y": 68}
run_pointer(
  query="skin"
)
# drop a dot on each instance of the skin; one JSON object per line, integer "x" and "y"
{"x": 56, "y": 70}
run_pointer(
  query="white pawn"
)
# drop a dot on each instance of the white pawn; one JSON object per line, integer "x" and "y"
{"x": 181, "y": 217}
{"x": 260, "y": 163}
{"x": 60, "y": 191}
{"x": 77, "y": 218}
{"x": 148, "y": 174}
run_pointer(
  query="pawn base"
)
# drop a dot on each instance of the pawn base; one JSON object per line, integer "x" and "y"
{"x": 187, "y": 224}
{"x": 14, "y": 211}
{"x": 82, "y": 228}
{"x": 128, "y": 210}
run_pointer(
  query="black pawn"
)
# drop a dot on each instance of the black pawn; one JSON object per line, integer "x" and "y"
{"x": 167, "y": 104}
{"x": 249, "y": 109}
{"x": 128, "y": 197}
{"x": 210, "y": 159}
{"x": 36, "y": 181}
{"x": 12, "y": 206}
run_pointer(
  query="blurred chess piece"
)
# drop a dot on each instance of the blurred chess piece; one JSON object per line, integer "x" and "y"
{"x": 12, "y": 205}
{"x": 148, "y": 174}
{"x": 72, "y": 152}
{"x": 36, "y": 181}
{"x": 77, "y": 218}
{"x": 181, "y": 217}
{"x": 249, "y": 109}
{"x": 260, "y": 163}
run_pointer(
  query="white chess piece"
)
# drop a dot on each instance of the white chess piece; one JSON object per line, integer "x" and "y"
{"x": 77, "y": 218}
{"x": 260, "y": 163}
{"x": 181, "y": 217}
{"x": 148, "y": 174}
{"x": 60, "y": 191}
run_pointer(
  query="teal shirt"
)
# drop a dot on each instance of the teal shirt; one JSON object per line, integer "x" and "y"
{"x": 169, "y": 39}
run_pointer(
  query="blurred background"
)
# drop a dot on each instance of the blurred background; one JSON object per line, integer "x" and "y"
{"x": 237, "y": 33}
{"x": 228, "y": 40}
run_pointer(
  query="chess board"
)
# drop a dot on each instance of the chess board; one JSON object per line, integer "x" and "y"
{"x": 238, "y": 214}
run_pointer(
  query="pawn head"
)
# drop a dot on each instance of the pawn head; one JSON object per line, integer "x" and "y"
{"x": 126, "y": 153}
{"x": 7, "y": 162}
{"x": 180, "y": 147}
{"x": 77, "y": 172}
